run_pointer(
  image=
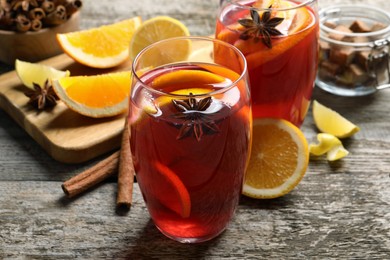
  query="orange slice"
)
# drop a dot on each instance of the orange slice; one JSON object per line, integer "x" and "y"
{"x": 95, "y": 96}
{"x": 198, "y": 78}
{"x": 182, "y": 202}
{"x": 103, "y": 47}
{"x": 302, "y": 20}
{"x": 278, "y": 161}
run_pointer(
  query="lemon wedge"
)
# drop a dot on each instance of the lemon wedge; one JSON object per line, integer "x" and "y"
{"x": 330, "y": 145}
{"x": 30, "y": 73}
{"x": 331, "y": 122}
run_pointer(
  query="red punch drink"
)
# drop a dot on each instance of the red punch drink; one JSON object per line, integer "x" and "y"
{"x": 280, "y": 42}
{"x": 190, "y": 140}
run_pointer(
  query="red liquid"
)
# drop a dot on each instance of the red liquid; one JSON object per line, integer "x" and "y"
{"x": 191, "y": 187}
{"x": 281, "y": 78}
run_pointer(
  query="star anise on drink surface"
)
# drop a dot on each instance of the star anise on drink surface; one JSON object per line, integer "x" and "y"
{"x": 196, "y": 122}
{"x": 42, "y": 97}
{"x": 260, "y": 27}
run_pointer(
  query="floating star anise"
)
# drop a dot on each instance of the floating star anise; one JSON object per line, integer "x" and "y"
{"x": 42, "y": 97}
{"x": 260, "y": 27}
{"x": 196, "y": 121}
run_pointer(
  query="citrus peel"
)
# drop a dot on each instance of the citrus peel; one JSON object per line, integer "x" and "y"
{"x": 330, "y": 145}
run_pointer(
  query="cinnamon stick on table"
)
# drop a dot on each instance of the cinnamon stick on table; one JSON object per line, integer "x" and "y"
{"x": 126, "y": 171}
{"x": 91, "y": 176}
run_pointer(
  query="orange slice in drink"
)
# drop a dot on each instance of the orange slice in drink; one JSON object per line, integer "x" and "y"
{"x": 181, "y": 203}
{"x": 297, "y": 32}
{"x": 188, "y": 78}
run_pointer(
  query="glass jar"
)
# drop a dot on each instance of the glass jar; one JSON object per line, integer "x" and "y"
{"x": 354, "y": 50}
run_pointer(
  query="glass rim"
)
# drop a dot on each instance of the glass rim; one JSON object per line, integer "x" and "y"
{"x": 303, "y": 4}
{"x": 334, "y": 9}
{"x": 324, "y": 12}
{"x": 192, "y": 38}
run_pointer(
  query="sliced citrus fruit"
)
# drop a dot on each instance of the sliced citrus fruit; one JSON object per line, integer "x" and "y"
{"x": 95, "y": 96}
{"x": 304, "y": 19}
{"x": 103, "y": 47}
{"x": 278, "y": 161}
{"x": 198, "y": 78}
{"x": 181, "y": 203}
{"x": 331, "y": 122}
{"x": 30, "y": 73}
{"x": 330, "y": 145}
{"x": 154, "y": 30}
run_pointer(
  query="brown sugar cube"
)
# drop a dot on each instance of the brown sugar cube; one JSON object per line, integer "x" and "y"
{"x": 362, "y": 58}
{"x": 324, "y": 50}
{"x": 329, "y": 24}
{"x": 330, "y": 67}
{"x": 377, "y": 27}
{"x": 358, "y": 74}
{"x": 359, "y": 26}
{"x": 343, "y": 56}
{"x": 340, "y": 36}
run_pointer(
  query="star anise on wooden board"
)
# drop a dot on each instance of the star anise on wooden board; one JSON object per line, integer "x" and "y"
{"x": 195, "y": 121}
{"x": 42, "y": 97}
{"x": 260, "y": 27}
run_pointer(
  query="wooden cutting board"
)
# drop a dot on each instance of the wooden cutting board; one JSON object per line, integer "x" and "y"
{"x": 65, "y": 135}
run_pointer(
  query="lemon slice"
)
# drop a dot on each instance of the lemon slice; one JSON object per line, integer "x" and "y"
{"x": 331, "y": 122}
{"x": 330, "y": 145}
{"x": 30, "y": 73}
{"x": 154, "y": 30}
{"x": 278, "y": 161}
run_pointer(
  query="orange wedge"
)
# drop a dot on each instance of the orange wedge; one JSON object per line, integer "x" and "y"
{"x": 95, "y": 96}
{"x": 278, "y": 161}
{"x": 103, "y": 47}
{"x": 302, "y": 19}
{"x": 182, "y": 204}
{"x": 197, "y": 78}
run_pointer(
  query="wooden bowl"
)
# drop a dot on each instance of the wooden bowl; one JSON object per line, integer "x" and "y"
{"x": 34, "y": 46}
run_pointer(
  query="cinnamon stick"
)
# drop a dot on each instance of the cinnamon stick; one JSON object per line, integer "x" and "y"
{"x": 36, "y": 25}
{"x": 58, "y": 16}
{"x": 126, "y": 171}
{"x": 23, "y": 24}
{"x": 73, "y": 6}
{"x": 91, "y": 176}
{"x": 48, "y": 6}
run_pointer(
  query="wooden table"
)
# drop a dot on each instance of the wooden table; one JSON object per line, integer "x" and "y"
{"x": 339, "y": 210}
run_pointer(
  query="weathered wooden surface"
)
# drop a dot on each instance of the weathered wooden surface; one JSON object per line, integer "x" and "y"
{"x": 339, "y": 211}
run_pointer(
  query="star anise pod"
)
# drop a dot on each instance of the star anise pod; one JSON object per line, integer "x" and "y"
{"x": 42, "y": 97}
{"x": 196, "y": 121}
{"x": 260, "y": 27}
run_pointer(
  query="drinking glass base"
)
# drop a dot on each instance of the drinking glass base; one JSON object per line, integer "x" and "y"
{"x": 190, "y": 240}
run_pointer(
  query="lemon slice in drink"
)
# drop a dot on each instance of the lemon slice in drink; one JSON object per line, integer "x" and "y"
{"x": 278, "y": 161}
{"x": 331, "y": 122}
{"x": 30, "y": 73}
